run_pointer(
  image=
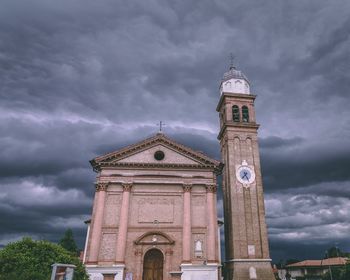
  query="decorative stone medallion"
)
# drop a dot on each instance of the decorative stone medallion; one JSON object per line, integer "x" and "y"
{"x": 159, "y": 155}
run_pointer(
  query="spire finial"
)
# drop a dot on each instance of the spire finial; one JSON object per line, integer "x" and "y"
{"x": 160, "y": 124}
{"x": 232, "y": 57}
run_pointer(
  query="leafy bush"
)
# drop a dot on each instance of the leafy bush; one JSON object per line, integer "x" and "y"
{"x": 31, "y": 260}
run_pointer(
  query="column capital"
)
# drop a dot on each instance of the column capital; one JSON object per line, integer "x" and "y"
{"x": 138, "y": 252}
{"x": 127, "y": 187}
{"x": 169, "y": 252}
{"x": 187, "y": 187}
{"x": 101, "y": 186}
{"x": 211, "y": 188}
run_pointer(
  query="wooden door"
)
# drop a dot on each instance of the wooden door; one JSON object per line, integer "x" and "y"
{"x": 153, "y": 265}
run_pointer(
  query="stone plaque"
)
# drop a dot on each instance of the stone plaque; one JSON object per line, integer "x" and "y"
{"x": 251, "y": 250}
{"x": 156, "y": 210}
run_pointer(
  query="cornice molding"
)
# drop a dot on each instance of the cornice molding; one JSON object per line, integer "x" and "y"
{"x": 235, "y": 96}
{"x": 239, "y": 125}
{"x": 216, "y": 168}
{"x": 110, "y": 158}
{"x": 140, "y": 241}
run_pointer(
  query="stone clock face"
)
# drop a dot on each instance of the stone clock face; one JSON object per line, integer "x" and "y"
{"x": 245, "y": 174}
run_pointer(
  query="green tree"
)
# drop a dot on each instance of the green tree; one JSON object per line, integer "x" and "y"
{"x": 291, "y": 261}
{"x": 346, "y": 274}
{"x": 32, "y": 260}
{"x": 68, "y": 242}
{"x": 338, "y": 273}
{"x": 333, "y": 252}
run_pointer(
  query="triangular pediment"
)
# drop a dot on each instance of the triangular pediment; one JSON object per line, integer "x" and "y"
{"x": 144, "y": 153}
{"x": 170, "y": 156}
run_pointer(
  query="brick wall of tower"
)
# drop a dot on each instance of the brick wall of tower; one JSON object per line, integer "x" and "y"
{"x": 245, "y": 226}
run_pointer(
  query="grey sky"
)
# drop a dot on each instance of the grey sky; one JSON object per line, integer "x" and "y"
{"x": 82, "y": 78}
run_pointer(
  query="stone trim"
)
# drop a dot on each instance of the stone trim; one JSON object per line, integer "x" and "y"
{"x": 245, "y": 125}
{"x": 169, "y": 252}
{"x": 248, "y": 260}
{"x": 211, "y": 188}
{"x": 127, "y": 187}
{"x": 235, "y": 95}
{"x": 167, "y": 237}
{"x": 187, "y": 187}
{"x": 101, "y": 186}
{"x": 217, "y": 169}
{"x": 152, "y": 141}
{"x": 138, "y": 252}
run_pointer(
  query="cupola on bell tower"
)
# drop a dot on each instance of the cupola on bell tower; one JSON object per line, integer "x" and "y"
{"x": 234, "y": 81}
{"x": 246, "y": 240}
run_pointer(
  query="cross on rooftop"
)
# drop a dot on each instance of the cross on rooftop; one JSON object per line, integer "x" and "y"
{"x": 161, "y": 124}
{"x": 232, "y": 58}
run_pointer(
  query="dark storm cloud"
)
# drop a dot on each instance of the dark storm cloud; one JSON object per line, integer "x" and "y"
{"x": 37, "y": 148}
{"x": 304, "y": 166}
{"x": 274, "y": 142}
{"x": 83, "y": 78}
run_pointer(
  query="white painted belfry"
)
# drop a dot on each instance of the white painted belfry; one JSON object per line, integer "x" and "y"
{"x": 234, "y": 81}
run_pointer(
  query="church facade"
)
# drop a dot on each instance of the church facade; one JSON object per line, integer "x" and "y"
{"x": 154, "y": 213}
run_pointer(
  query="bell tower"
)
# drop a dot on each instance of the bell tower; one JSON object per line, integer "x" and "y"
{"x": 246, "y": 241}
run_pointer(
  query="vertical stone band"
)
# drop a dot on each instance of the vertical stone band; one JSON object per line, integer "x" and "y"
{"x": 138, "y": 263}
{"x": 96, "y": 234}
{"x": 211, "y": 190}
{"x": 186, "y": 230}
{"x": 123, "y": 223}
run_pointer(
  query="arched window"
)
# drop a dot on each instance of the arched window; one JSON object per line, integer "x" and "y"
{"x": 235, "y": 113}
{"x": 245, "y": 114}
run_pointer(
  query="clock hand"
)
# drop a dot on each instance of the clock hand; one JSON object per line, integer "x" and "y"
{"x": 245, "y": 175}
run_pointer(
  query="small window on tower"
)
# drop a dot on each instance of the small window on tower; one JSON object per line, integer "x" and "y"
{"x": 245, "y": 114}
{"x": 235, "y": 113}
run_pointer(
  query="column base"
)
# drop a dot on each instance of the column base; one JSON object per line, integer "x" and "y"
{"x": 200, "y": 272}
{"x": 245, "y": 269}
{"x": 98, "y": 272}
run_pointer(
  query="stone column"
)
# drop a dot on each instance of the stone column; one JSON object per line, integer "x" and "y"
{"x": 211, "y": 211}
{"x": 96, "y": 233}
{"x": 186, "y": 230}
{"x": 123, "y": 224}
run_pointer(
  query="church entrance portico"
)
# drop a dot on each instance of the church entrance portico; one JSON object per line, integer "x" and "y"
{"x": 153, "y": 265}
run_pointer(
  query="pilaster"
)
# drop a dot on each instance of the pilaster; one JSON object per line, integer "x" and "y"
{"x": 96, "y": 232}
{"x": 123, "y": 224}
{"x": 212, "y": 224}
{"x": 186, "y": 230}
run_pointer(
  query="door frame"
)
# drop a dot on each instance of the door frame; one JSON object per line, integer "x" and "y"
{"x": 163, "y": 258}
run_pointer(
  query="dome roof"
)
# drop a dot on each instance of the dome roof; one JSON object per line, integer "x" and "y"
{"x": 233, "y": 73}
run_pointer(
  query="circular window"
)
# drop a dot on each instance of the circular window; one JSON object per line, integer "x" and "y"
{"x": 159, "y": 155}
